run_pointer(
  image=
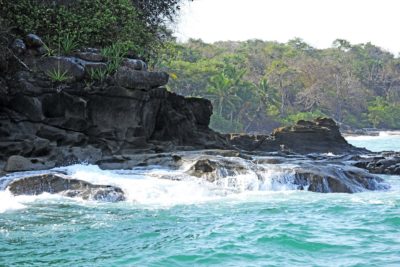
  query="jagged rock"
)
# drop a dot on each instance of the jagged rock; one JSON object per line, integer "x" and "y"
{"x": 319, "y": 136}
{"x": 33, "y": 41}
{"x": 213, "y": 170}
{"x": 336, "y": 179}
{"x": 64, "y": 185}
{"x": 203, "y": 108}
{"x": 18, "y": 47}
{"x": 321, "y": 177}
{"x": 65, "y": 65}
{"x": 140, "y": 80}
{"x": 388, "y": 163}
{"x": 127, "y": 113}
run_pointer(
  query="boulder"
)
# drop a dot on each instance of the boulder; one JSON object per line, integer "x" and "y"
{"x": 319, "y": 136}
{"x": 64, "y": 65}
{"x": 17, "y": 163}
{"x": 64, "y": 185}
{"x": 387, "y": 163}
{"x": 320, "y": 177}
{"x": 134, "y": 64}
{"x": 33, "y": 41}
{"x": 92, "y": 56}
{"x": 336, "y": 179}
{"x": 90, "y": 66}
{"x": 215, "y": 169}
{"x": 140, "y": 80}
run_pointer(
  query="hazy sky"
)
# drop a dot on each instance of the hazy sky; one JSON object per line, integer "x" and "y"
{"x": 318, "y": 22}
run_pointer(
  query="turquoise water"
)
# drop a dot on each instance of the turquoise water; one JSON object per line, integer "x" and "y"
{"x": 192, "y": 223}
{"x": 385, "y": 141}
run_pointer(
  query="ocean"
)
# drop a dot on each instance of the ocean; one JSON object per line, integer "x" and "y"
{"x": 191, "y": 222}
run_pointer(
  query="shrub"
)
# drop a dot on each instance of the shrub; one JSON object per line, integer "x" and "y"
{"x": 293, "y": 118}
{"x": 95, "y": 23}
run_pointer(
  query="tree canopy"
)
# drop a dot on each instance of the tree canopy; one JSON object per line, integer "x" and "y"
{"x": 256, "y": 85}
{"x": 92, "y": 23}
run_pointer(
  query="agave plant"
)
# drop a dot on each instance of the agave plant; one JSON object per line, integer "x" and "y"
{"x": 68, "y": 44}
{"x": 57, "y": 75}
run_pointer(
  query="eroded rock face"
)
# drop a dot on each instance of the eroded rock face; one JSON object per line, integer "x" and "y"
{"x": 319, "y": 136}
{"x": 131, "y": 78}
{"x": 68, "y": 66}
{"x": 387, "y": 163}
{"x": 51, "y": 123}
{"x": 74, "y": 121}
{"x": 60, "y": 184}
{"x": 336, "y": 179}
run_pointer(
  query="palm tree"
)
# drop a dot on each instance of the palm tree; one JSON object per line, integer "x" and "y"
{"x": 222, "y": 90}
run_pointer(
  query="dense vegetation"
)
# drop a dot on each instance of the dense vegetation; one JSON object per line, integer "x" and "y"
{"x": 92, "y": 23}
{"x": 254, "y": 85}
{"x": 257, "y": 85}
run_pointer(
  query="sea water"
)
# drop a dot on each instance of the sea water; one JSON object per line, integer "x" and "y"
{"x": 191, "y": 222}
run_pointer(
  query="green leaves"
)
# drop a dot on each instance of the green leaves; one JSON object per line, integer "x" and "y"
{"x": 79, "y": 23}
{"x": 57, "y": 75}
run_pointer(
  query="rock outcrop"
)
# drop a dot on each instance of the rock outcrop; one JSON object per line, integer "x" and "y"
{"x": 336, "y": 179}
{"x": 386, "y": 163}
{"x": 322, "y": 176}
{"x": 319, "y": 136}
{"x": 53, "y": 113}
{"x": 50, "y": 123}
{"x": 63, "y": 185}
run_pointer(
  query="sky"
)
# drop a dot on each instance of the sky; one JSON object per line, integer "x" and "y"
{"x": 317, "y": 22}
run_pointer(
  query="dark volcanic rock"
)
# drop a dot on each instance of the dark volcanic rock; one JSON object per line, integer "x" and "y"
{"x": 134, "y": 64}
{"x": 59, "y": 184}
{"x": 387, "y": 163}
{"x": 321, "y": 177}
{"x": 319, "y": 136}
{"x": 70, "y": 123}
{"x": 33, "y": 41}
{"x": 336, "y": 179}
{"x": 91, "y": 56}
{"x": 63, "y": 65}
{"x": 53, "y": 123}
{"x": 18, "y": 163}
{"x": 135, "y": 79}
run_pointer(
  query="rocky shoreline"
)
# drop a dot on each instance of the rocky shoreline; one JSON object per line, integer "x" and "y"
{"x": 130, "y": 119}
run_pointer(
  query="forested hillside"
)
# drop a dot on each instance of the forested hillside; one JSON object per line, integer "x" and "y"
{"x": 257, "y": 85}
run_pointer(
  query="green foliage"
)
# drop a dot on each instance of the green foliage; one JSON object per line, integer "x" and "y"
{"x": 68, "y": 44}
{"x": 383, "y": 114}
{"x": 86, "y": 22}
{"x": 223, "y": 125}
{"x": 98, "y": 74}
{"x": 256, "y": 83}
{"x": 57, "y": 75}
{"x": 293, "y": 118}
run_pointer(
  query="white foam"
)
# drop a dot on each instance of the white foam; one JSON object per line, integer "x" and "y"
{"x": 157, "y": 186}
{"x": 147, "y": 186}
{"x": 381, "y": 135}
{"x": 8, "y": 202}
